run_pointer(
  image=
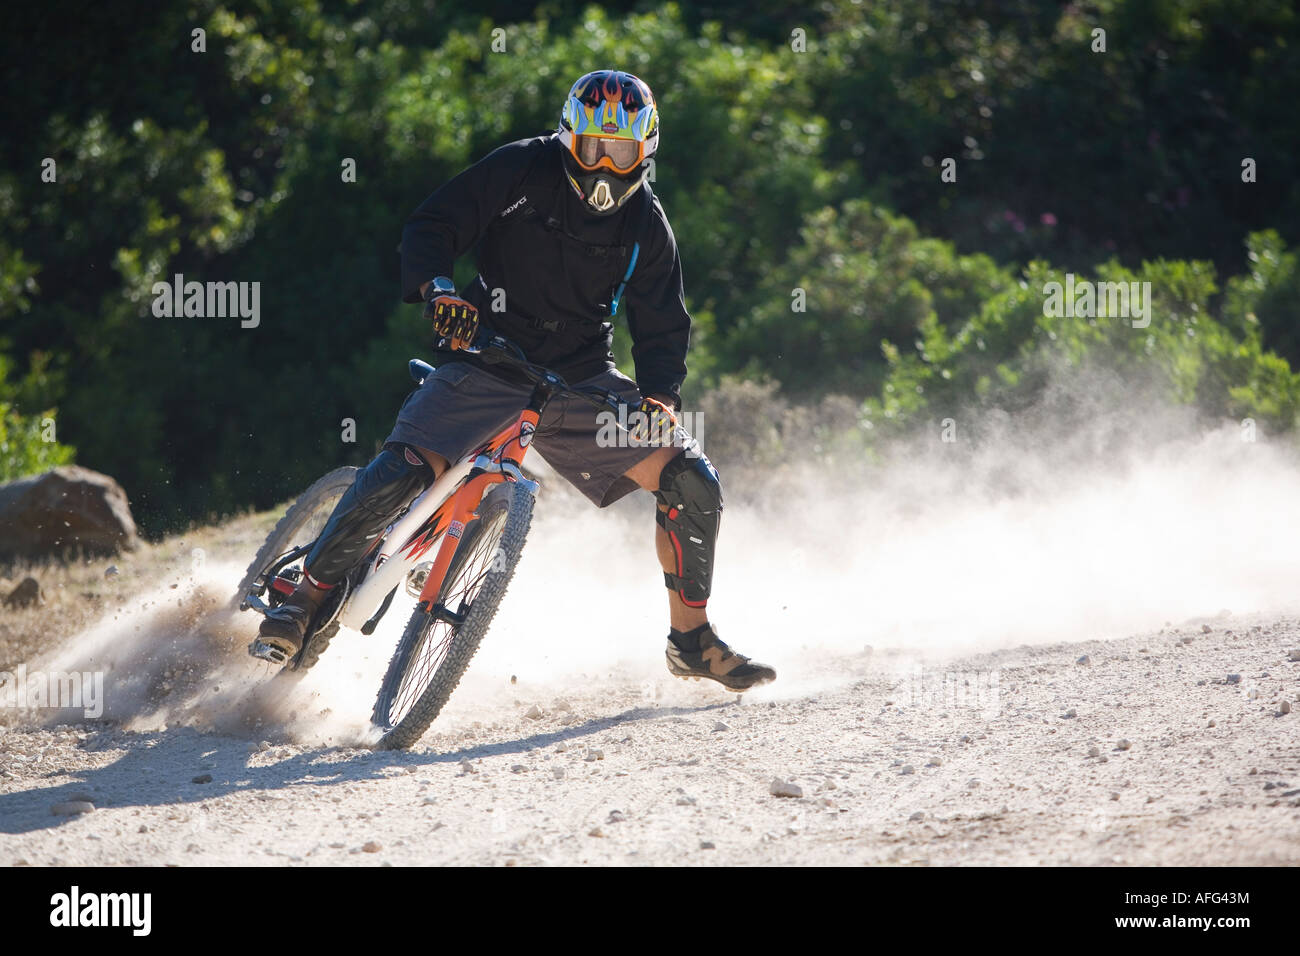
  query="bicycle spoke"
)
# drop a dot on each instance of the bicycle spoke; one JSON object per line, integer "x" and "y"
{"x": 458, "y": 595}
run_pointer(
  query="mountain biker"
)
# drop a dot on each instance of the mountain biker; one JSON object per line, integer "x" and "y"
{"x": 564, "y": 224}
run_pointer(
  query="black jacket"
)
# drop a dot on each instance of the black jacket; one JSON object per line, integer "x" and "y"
{"x": 556, "y": 263}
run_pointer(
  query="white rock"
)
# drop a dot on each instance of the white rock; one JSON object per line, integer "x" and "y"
{"x": 907, "y": 769}
{"x": 533, "y": 713}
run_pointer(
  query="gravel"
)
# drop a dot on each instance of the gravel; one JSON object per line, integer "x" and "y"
{"x": 1015, "y": 792}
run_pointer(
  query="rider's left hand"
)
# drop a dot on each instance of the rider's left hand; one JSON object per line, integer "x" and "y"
{"x": 652, "y": 423}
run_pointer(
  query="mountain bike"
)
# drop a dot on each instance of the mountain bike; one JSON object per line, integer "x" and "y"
{"x": 452, "y": 552}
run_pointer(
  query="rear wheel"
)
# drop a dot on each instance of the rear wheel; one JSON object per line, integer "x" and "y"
{"x": 301, "y": 525}
{"x": 437, "y": 646}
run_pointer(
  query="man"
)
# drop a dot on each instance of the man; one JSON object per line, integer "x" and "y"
{"x": 564, "y": 224}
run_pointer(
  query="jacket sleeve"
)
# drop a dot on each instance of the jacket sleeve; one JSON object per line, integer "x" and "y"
{"x": 454, "y": 218}
{"x": 657, "y": 316}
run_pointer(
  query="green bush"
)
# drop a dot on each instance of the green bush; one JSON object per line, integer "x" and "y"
{"x": 28, "y": 442}
{"x": 865, "y": 277}
{"x": 1006, "y": 355}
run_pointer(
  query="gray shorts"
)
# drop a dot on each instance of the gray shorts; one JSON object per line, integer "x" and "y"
{"x": 460, "y": 406}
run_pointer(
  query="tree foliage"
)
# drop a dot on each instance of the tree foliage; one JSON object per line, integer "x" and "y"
{"x": 780, "y": 170}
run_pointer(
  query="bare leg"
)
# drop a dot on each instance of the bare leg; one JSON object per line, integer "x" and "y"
{"x": 646, "y": 474}
{"x": 697, "y": 655}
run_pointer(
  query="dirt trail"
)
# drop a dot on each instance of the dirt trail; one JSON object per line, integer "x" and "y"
{"x": 927, "y": 626}
{"x": 982, "y": 759}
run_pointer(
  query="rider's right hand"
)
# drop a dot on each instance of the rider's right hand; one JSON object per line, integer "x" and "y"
{"x": 453, "y": 318}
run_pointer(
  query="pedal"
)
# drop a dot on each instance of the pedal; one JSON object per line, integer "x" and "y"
{"x": 267, "y": 652}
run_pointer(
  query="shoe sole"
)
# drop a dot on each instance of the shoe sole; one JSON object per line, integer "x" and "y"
{"x": 739, "y": 688}
{"x": 268, "y": 651}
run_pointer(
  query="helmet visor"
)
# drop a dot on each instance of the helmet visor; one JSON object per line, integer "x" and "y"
{"x": 595, "y": 152}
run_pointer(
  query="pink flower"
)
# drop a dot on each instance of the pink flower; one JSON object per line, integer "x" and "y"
{"x": 1047, "y": 219}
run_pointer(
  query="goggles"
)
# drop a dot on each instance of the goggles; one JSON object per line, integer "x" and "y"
{"x": 602, "y": 152}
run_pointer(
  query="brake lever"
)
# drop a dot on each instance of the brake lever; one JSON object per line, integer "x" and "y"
{"x": 597, "y": 396}
{"x": 490, "y": 349}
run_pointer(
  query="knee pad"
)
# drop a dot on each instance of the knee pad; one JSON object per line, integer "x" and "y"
{"x": 690, "y": 489}
{"x": 378, "y": 494}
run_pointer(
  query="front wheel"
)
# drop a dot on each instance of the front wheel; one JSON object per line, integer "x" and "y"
{"x": 436, "y": 648}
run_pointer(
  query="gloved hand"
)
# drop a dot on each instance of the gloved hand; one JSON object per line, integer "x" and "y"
{"x": 452, "y": 317}
{"x": 651, "y": 423}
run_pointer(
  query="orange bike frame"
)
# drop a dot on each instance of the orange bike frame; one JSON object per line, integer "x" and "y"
{"x": 498, "y": 462}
